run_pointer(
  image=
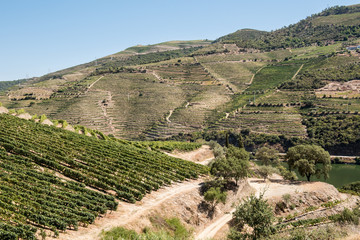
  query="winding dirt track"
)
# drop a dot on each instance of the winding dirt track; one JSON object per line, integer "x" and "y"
{"x": 270, "y": 190}
{"x": 127, "y": 212}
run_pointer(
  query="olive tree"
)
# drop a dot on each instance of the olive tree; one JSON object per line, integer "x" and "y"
{"x": 234, "y": 165}
{"x": 215, "y": 196}
{"x": 266, "y": 171}
{"x": 257, "y": 214}
{"x": 309, "y": 160}
{"x": 267, "y": 155}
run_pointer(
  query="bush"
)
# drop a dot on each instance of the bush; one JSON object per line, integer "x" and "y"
{"x": 43, "y": 118}
{"x": 215, "y": 196}
{"x": 286, "y": 174}
{"x": 257, "y": 214}
{"x": 266, "y": 171}
{"x": 347, "y": 216}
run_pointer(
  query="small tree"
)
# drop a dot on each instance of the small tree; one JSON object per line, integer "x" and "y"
{"x": 234, "y": 165}
{"x": 309, "y": 160}
{"x": 257, "y": 214}
{"x": 286, "y": 174}
{"x": 241, "y": 142}
{"x": 266, "y": 171}
{"x": 267, "y": 155}
{"x": 218, "y": 151}
{"x": 220, "y": 168}
{"x": 215, "y": 196}
{"x": 239, "y": 169}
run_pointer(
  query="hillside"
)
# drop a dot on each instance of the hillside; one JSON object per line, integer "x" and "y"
{"x": 64, "y": 180}
{"x": 249, "y": 81}
{"x": 333, "y": 24}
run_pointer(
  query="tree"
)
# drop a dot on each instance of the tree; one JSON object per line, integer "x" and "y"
{"x": 238, "y": 153}
{"x": 266, "y": 171}
{"x": 220, "y": 168}
{"x": 267, "y": 155}
{"x": 239, "y": 169}
{"x": 309, "y": 160}
{"x": 286, "y": 174}
{"x": 257, "y": 214}
{"x": 241, "y": 141}
{"x": 215, "y": 196}
{"x": 234, "y": 165}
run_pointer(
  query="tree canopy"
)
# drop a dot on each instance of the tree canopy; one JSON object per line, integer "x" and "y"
{"x": 266, "y": 155}
{"x": 235, "y": 164}
{"x": 256, "y": 213}
{"x": 309, "y": 160}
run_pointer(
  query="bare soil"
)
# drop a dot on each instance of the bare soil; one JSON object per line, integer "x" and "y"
{"x": 303, "y": 195}
{"x": 130, "y": 214}
{"x": 203, "y": 155}
{"x": 340, "y": 89}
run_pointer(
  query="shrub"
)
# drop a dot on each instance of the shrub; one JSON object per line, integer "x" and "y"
{"x": 256, "y": 213}
{"x": 347, "y": 216}
{"x": 43, "y": 118}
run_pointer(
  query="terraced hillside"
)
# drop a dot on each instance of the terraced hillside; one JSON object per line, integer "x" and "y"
{"x": 63, "y": 179}
{"x": 167, "y": 89}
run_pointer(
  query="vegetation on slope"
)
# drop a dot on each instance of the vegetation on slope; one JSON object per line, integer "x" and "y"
{"x": 4, "y": 85}
{"x": 32, "y": 152}
{"x": 339, "y": 134}
{"x": 164, "y": 229}
{"x": 304, "y": 33}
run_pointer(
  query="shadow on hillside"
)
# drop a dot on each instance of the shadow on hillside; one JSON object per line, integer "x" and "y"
{"x": 281, "y": 181}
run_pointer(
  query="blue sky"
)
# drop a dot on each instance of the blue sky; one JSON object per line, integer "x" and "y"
{"x": 41, "y": 36}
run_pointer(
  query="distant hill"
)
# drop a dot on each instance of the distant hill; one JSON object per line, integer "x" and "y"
{"x": 165, "y": 46}
{"x": 333, "y": 24}
{"x": 242, "y": 35}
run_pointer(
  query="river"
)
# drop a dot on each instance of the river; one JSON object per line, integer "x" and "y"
{"x": 340, "y": 175}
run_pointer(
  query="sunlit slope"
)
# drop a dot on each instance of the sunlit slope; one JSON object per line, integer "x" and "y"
{"x": 62, "y": 179}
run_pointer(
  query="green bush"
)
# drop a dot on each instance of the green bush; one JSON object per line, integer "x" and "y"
{"x": 347, "y": 216}
{"x": 43, "y": 118}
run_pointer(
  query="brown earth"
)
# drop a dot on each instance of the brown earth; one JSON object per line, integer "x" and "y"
{"x": 203, "y": 155}
{"x": 340, "y": 89}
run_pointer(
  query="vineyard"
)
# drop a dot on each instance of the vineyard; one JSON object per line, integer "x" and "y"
{"x": 55, "y": 179}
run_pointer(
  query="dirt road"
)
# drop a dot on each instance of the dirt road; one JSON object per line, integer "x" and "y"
{"x": 270, "y": 190}
{"x": 127, "y": 212}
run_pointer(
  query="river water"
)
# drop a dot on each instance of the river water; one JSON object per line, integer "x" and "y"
{"x": 340, "y": 175}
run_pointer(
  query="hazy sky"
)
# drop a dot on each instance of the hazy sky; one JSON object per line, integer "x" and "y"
{"x": 41, "y": 36}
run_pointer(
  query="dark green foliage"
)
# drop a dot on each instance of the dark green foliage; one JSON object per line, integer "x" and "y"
{"x": 243, "y": 34}
{"x": 353, "y": 188}
{"x": 286, "y": 174}
{"x": 267, "y": 155}
{"x": 215, "y": 196}
{"x": 309, "y": 160}
{"x": 266, "y": 171}
{"x": 339, "y": 134}
{"x": 336, "y": 10}
{"x": 234, "y": 165}
{"x": 256, "y": 213}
